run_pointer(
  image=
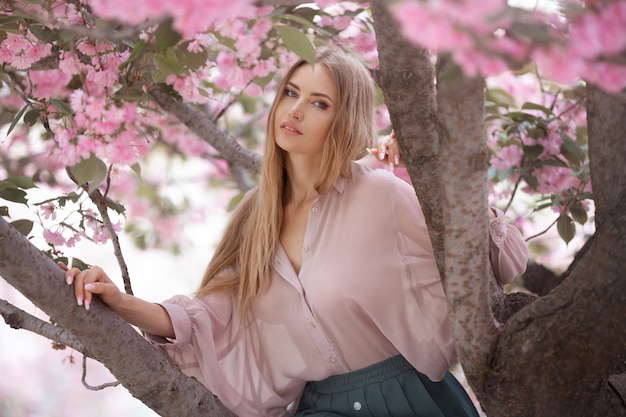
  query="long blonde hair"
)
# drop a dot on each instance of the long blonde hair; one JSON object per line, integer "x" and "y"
{"x": 243, "y": 259}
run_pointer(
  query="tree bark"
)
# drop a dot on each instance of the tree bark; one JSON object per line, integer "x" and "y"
{"x": 144, "y": 370}
{"x": 463, "y": 159}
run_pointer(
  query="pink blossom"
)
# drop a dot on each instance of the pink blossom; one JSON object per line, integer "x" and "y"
{"x": 558, "y": 64}
{"x": 70, "y": 64}
{"x": 264, "y": 67}
{"x": 50, "y": 83}
{"x": 552, "y": 180}
{"x": 48, "y": 211}
{"x": 53, "y": 238}
{"x": 476, "y": 63}
{"x": 247, "y": 47}
{"x": 325, "y": 3}
{"x": 231, "y": 28}
{"x": 608, "y": 76}
{"x": 261, "y": 28}
{"x": 509, "y": 157}
{"x": 341, "y": 22}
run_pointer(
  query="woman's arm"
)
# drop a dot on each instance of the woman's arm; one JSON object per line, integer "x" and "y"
{"x": 508, "y": 250}
{"x": 148, "y": 316}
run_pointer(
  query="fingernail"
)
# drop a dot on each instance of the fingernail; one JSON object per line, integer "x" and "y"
{"x": 86, "y": 304}
{"x": 397, "y": 159}
{"x": 68, "y": 279}
{"x": 381, "y": 155}
{"x": 391, "y": 166}
{"x": 79, "y": 300}
{"x": 90, "y": 287}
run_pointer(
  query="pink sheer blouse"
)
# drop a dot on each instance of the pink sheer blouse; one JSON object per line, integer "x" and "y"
{"x": 368, "y": 289}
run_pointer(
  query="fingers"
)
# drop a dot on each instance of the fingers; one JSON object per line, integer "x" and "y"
{"x": 86, "y": 283}
{"x": 387, "y": 151}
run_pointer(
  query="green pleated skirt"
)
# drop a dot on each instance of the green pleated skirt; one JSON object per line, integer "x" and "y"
{"x": 391, "y": 388}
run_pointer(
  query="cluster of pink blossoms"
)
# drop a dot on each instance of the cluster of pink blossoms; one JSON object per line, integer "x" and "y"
{"x": 189, "y": 16}
{"x": 476, "y": 32}
{"x": 566, "y": 117}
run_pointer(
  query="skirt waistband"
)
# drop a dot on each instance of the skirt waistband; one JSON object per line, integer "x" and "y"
{"x": 373, "y": 374}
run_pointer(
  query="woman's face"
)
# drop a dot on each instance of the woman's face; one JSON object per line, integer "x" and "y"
{"x": 306, "y": 110}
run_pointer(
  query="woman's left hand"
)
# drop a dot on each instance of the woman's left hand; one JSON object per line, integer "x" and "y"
{"x": 388, "y": 152}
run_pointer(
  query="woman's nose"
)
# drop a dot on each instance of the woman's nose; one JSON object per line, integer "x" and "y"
{"x": 295, "y": 113}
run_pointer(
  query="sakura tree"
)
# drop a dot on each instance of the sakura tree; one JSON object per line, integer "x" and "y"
{"x": 96, "y": 94}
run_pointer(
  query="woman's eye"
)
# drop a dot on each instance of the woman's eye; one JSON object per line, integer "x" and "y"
{"x": 290, "y": 93}
{"x": 321, "y": 105}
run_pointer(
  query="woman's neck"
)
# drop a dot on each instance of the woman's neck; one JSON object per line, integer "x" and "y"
{"x": 302, "y": 177}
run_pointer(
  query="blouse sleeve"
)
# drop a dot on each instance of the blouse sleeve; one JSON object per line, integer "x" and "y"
{"x": 200, "y": 328}
{"x": 507, "y": 249}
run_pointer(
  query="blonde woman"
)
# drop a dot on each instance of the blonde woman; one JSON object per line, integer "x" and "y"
{"x": 325, "y": 277}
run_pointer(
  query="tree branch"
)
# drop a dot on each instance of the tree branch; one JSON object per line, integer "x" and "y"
{"x": 144, "y": 370}
{"x": 202, "y": 126}
{"x": 19, "y": 319}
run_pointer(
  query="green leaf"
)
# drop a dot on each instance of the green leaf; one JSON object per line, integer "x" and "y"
{"x": 44, "y": 33}
{"x": 91, "y": 170}
{"x": 62, "y": 106}
{"x": 16, "y": 119}
{"x": 14, "y": 194}
{"x": 534, "y": 106}
{"x": 500, "y": 97}
{"x": 235, "y": 201}
{"x": 571, "y": 150}
{"x": 520, "y": 116}
{"x": 80, "y": 264}
{"x": 165, "y": 36}
{"x": 136, "y": 169}
{"x": 165, "y": 65}
{"x": 31, "y": 116}
{"x": 191, "y": 60}
{"x": 578, "y": 213}
{"x": 533, "y": 151}
{"x": 138, "y": 48}
{"x": 566, "y": 228}
{"x": 114, "y": 205}
{"x": 554, "y": 162}
{"x": 297, "y": 42}
{"x": 22, "y": 182}
{"x": 6, "y": 19}
{"x": 23, "y": 226}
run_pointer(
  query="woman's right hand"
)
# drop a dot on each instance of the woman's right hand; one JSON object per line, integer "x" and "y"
{"x": 92, "y": 281}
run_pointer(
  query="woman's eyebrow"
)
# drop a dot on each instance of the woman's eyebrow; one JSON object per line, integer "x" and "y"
{"x": 295, "y": 86}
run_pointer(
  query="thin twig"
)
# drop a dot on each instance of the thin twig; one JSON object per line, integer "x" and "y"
{"x": 91, "y": 387}
{"x": 100, "y": 202}
{"x": 543, "y": 232}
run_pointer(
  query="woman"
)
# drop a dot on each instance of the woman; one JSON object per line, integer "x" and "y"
{"x": 325, "y": 273}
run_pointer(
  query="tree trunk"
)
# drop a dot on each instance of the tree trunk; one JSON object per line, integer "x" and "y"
{"x": 556, "y": 355}
{"x": 407, "y": 81}
{"x": 464, "y": 173}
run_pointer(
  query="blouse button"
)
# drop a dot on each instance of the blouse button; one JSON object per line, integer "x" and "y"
{"x": 332, "y": 360}
{"x": 312, "y": 324}
{"x": 357, "y": 406}
{"x": 315, "y": 209}
{"x": 497, "y": 238}
{"x": 305, "y": 248}
{"x": 494, "y": 225}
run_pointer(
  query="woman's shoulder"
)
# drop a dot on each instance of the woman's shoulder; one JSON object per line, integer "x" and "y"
{"x": 376, "y": 178}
